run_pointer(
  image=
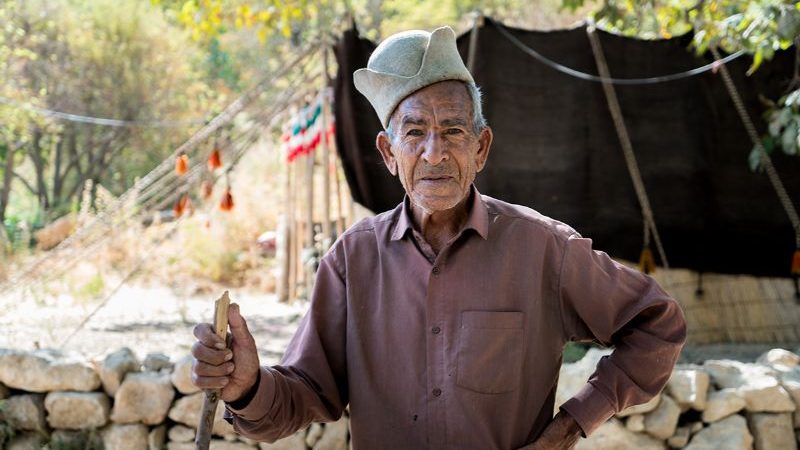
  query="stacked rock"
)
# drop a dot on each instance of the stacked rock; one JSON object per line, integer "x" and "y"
{"x": 52, "y": 400}
{"x": 720, "y": 404}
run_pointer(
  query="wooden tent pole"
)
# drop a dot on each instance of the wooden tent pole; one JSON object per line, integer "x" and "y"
{"x": 286, "y": 246}
{"x": 326, "y": 155}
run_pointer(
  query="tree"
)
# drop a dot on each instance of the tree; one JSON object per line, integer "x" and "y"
{"x": 115, "y": 59}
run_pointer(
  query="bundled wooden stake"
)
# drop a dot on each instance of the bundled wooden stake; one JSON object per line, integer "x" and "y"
{"x": 209, "y": 410}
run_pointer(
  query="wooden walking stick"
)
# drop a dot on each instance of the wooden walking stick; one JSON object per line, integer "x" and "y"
{"x": 209, "y": 410}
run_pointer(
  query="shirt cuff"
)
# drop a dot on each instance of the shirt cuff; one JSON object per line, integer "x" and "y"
{"x": 262, "y": 398}
{"x": 590, "y": 408}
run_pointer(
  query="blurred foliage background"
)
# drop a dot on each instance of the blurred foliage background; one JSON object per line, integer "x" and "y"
{"x": 166, "y": 66}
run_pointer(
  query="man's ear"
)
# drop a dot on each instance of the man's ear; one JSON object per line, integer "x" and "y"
{"x": 384, "y": 146}
{"x": 485, "y": 143}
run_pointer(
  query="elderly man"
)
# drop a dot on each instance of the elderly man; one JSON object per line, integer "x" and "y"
{"x": 441, "y": 323}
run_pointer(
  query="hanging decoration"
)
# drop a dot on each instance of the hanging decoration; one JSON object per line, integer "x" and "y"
{"x": 226, "y": 204}
{"x": 304, "y": 131}
{"x": 183, "y": 205}
{"x": 647, "y": 264}
{"x": 206, "y": 189}
{"x": 214, "y": 159}
{"x": 182, "y": 164}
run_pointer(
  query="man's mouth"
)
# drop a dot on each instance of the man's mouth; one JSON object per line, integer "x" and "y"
{"x": 437, "y": 178}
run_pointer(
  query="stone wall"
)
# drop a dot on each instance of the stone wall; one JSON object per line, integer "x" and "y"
{"x": 720, "y": 404}
{"x": 50, "y": 399}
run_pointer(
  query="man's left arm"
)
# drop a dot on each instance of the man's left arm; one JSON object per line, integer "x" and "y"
{"x": 605, "y": 301}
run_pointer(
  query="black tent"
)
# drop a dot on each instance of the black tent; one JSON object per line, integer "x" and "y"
{"x": 556, "y": 149}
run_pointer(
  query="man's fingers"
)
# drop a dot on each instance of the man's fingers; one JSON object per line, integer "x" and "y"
{"x": 209, "y": 382}
{"x": 202, "y": 369}
{"x": 238, "y": 324}
{"x": 205, "y": 334}
{"x": 210, "y": 355}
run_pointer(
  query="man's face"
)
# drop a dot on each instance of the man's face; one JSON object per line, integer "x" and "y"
{"x": 434, "y": 149}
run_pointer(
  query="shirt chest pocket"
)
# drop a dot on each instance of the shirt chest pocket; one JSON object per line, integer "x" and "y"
{"x": 490, "y": 348}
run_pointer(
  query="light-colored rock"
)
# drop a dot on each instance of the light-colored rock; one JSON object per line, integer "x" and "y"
{"x": 157, "y": 438}
{"x": 125, "y": 437}
{"x": 643, "y": 408}
{"x": 70, "y": 439}
{"x": 181, "y": 433}
{"x": 662, "y": 421}
{"x": 46, "y": 371}
{"x": 635, "y": 423}
{"x": 334, "y": 436}
{"x": 689, "y": 388}
{"x": 680, "y": 438}
{"x": 216, "y": 444}
{"x": 722, "y": 404}
{"x": 143, "y": 397}
{"x": 730, "y": 433}
{"x": 694, "y": 427}
{"x": 27, "y": 441}
{"x": 313, "y": 435}
{"x": 114, "y": 368}
{"x": 572, "y": 377}
{"x": 758, "y": 385}
{"x": 25, "y": 412}
{"x": 182, "y": 376}
{"x": 186, "y": 410}
{"x": 772, "y": 431}
{"x": 296, "y": 441}
{"x": 155, "y": 362}
{"x": 77, "y": 410}
{"x": 790, "y": 380}
{"x": 779, "y": 357}
{"x": 612, "y": 435}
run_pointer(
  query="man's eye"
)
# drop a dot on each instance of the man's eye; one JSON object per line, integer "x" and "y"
{"x": 453, "y": 131}
{"x": 414, "y": 132}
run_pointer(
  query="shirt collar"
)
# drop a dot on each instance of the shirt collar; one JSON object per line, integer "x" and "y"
{"x": 478, "y": 219}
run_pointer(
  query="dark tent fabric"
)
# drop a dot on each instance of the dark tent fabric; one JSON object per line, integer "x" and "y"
{"x": 556, "y": 149}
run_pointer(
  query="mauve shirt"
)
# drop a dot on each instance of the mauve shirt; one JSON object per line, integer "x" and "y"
{"x": 462, "y": 350}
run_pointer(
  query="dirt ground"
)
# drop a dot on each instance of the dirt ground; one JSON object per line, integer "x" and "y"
{"x": 145, "y": 319}
{"x": 157, "y": 319}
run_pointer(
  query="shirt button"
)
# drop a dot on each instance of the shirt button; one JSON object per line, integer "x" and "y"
{"x": 436, "y": 330}
{"x": 437, "y": 392}
{"x": 436, "y": 270}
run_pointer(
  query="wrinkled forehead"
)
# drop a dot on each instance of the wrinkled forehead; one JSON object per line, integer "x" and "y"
{"x": 449, "y": 99}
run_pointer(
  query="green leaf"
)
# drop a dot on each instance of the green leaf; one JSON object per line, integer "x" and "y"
{"x": 789, "y": 139}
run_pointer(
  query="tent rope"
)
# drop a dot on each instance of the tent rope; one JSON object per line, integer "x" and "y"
{"x": 764, "y": 158}
{"x": 625, "y": 141}
{"x": 604, "y": 78}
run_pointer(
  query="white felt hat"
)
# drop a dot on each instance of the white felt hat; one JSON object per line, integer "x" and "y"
{"x": 407, "y": 62}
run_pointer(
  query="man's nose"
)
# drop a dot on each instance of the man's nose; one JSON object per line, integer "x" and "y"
{"x": 434, "y": 150}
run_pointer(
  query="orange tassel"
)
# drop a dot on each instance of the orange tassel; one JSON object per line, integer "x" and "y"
{"x": 796, "y": 263}
{"x": 182, "y": 205}
{"x": 182, "y": 165}
{"x": 647, "y": 264}
{"x": 227, "y": 201}
{"x": 214, "y": 160}
{"x": 206, "y": 189}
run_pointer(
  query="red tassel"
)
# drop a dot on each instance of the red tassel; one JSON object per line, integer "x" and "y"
{"x": 796, "y": 263}
{"x": 182, "y": 165}
{"x": 227, "y": 201}
{"x": 181, "y": 205}
{"x": 214, "y": 160}
{"x": 647, "y": 264}
{"x": 206, "y": 189}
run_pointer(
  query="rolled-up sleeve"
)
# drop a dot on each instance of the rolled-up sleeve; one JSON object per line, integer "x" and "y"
{"x": 605, "y": 301}
{"x": 310, "y": 384}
